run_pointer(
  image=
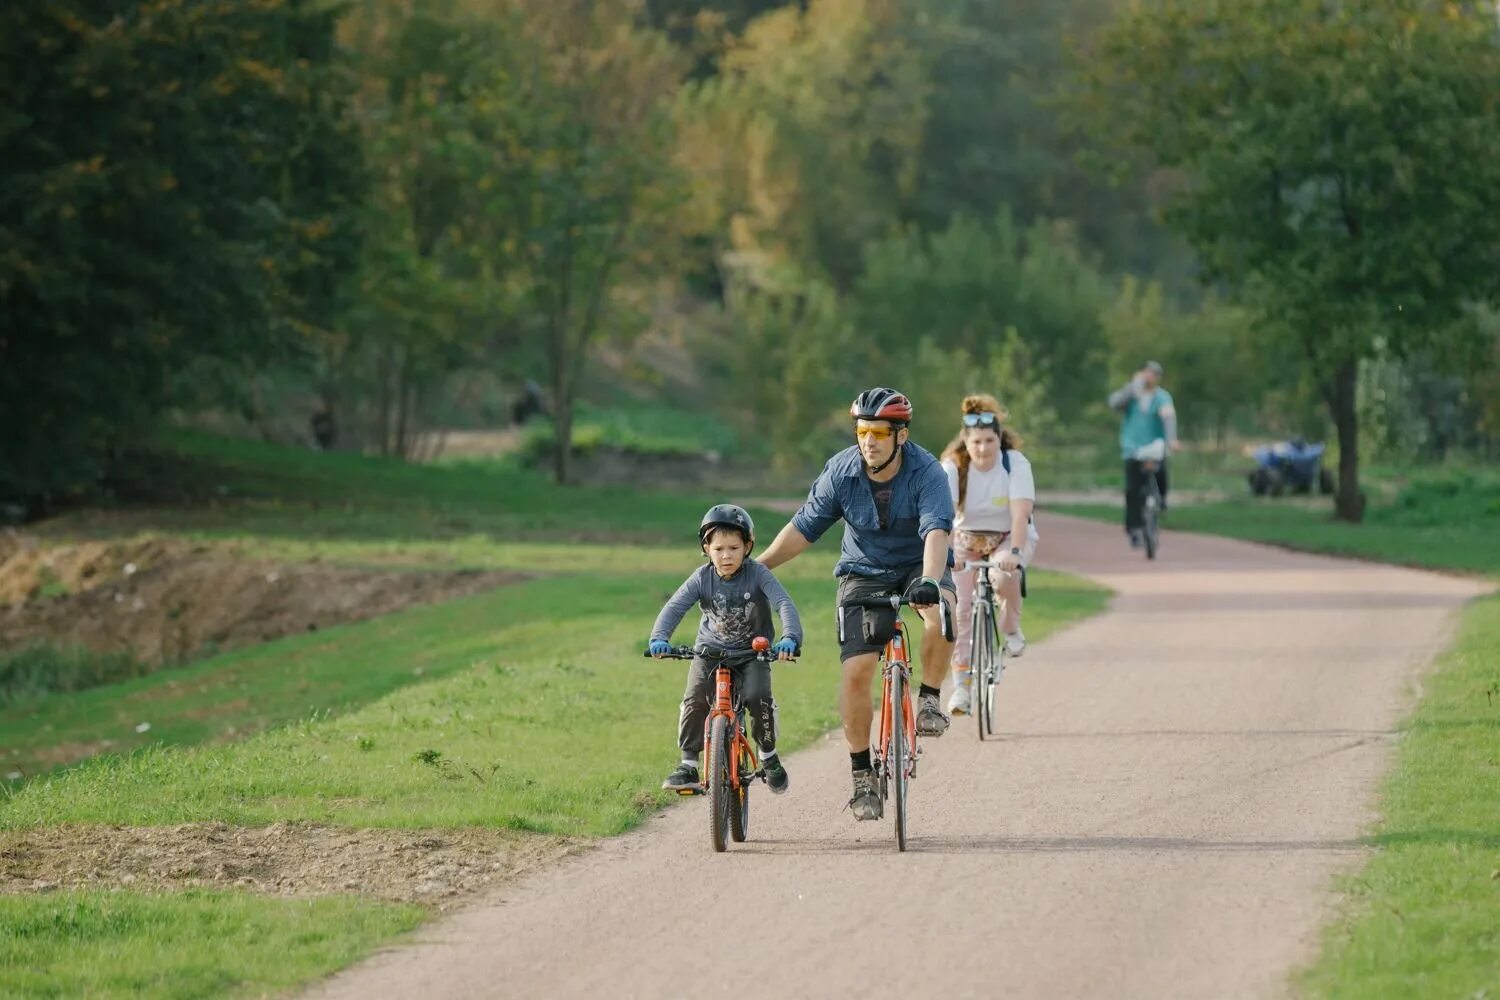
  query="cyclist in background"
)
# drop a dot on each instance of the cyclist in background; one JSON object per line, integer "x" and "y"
{"x": 992, "y": 489}
{"x": 1148, "y": 415}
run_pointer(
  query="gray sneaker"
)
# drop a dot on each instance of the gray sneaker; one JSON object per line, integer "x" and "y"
{"x": 931, "y": 721}
{"x": 866, "y": 802}
{"x": 684, "y": 779}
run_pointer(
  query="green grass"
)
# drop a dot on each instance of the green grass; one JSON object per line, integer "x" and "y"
{"x": 1423, "y": 918}
{"x": 188, "y": 945}
{"x": 635, "y": 427}
{"x": 534, "y": 711}
{"x": 240, "y": 488}
{"x": 527, "y": 708}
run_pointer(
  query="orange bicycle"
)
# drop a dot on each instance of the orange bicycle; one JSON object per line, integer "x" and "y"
{"x": 730, "y": 763}
{"x": 895, "y": 752}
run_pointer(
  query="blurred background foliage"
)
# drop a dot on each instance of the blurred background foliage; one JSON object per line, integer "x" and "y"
{"x": 705, "y": 226}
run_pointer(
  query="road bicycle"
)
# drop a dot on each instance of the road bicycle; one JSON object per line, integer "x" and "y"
{"x": 895, "y": 752}
{"x": 730, "y": 763}
{"x": 986, "y": 650}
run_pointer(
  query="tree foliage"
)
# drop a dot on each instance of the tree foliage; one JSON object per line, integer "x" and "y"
{"x": 1340, "y": 161}
{"x": 178, "y": 183}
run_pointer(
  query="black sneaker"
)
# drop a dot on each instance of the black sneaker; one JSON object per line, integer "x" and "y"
{"x": 683, "y": 779}
{"x": 1137, "y": 539}
{"x": 776, "y": 775}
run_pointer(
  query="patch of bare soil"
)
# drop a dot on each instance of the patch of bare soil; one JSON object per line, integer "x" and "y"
{"x": 167, "y": 600}
{"x": 436, "y": 867}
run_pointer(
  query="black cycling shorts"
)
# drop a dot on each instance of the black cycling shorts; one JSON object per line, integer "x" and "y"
{"x": 867, "y": 629}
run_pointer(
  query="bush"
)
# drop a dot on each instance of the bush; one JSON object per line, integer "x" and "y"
{"x": 40, "y": 669}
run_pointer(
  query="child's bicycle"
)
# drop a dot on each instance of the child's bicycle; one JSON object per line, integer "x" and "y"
{"x": 986, "y": 651}
{"x": 730, "y": 762}
{"x": 895, "y": 752}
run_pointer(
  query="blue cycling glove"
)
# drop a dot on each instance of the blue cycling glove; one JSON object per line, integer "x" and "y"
{"x": 785, "y": 647}
{"x": 659, "y": 647}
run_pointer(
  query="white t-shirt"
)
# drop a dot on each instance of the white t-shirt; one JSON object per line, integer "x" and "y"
{"x": 988, "y": 498}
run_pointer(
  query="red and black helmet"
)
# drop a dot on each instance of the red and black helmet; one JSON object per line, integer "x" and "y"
{"x": 881, "y": 403}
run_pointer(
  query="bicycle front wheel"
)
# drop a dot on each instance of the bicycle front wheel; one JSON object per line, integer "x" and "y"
{"x": 896, "y": 760}
{"x": 1150, "y": 532}
{"x": 717, "y": 761}
{"x": 982, "y": 673}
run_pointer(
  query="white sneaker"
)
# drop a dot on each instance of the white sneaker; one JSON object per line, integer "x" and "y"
{"x": 961, "y": 701}
{"x": 1015, "y": 644}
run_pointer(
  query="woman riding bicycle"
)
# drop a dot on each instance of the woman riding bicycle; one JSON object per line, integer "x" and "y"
{"x": 993, "y": 491}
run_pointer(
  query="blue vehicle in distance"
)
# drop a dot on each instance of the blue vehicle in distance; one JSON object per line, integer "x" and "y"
{"x": 1293, "y": 466}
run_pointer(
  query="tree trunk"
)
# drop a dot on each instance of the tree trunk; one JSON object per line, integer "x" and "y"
{"x": 562, "y": 425}
{"x": 1349, "y": 502}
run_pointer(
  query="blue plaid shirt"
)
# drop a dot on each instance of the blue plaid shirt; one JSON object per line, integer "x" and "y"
{"x": 920, "y": 502}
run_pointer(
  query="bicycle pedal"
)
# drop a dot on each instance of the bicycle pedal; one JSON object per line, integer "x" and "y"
{"x": 689, "y": 791}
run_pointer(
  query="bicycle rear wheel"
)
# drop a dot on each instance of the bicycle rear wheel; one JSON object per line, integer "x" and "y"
{"x": 896, "y": 761}
{"x": 739, "y": 799}
{"x": 717, "y": 761}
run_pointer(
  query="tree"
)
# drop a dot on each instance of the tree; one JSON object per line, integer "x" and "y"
{"x": 440, "y": 278}
{"x": 803, "y": 147}
{"x": 965, "y": 286}
{"x": 178, "y": 183}
{"x": 588, "y": 177}
{"x": 1340, "y": 162}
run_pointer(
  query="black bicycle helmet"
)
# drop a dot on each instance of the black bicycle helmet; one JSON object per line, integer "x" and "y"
{"x": 881, "y": 403}
{"x": 726, "y": 515}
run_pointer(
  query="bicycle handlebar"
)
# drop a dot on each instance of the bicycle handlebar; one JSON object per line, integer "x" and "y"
{"x": 896, "y": 602}
{"x": 709, "y": 652}
{"x": 991, "y": 564}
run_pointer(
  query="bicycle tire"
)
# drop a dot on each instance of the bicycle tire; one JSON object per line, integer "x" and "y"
{"x": 994, "y": 659}
{"x": 1150, "y": 530}
{"x": 718, "y": 783}
{"x": 896, "y": 761}
{"x": 739, "y": 801}
{"x": 979, "y": 668}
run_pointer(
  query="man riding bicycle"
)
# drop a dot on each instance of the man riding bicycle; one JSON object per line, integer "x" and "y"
{"x": 893, "y": 498}
{"x": 1148, "y": 415}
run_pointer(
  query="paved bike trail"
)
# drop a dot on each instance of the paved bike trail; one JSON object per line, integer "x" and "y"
{"x": 1177, "y": 782}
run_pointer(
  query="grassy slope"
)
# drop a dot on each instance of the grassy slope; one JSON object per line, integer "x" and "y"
{"x": 528, "y": 707}
{"x": 536, "y": 698}
{"x": 106, "y": 945}
{"x": 1423, "y": 917}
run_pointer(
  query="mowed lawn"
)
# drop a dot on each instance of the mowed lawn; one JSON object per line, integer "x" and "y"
{"x": 527, "y": 708}
{"x": 1422, "y": 919}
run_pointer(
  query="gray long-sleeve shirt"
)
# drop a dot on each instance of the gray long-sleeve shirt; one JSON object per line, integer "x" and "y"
{"x": 735, "y": 611}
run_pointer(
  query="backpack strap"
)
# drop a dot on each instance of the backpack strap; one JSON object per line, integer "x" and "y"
{"x": 1005, "y": 460}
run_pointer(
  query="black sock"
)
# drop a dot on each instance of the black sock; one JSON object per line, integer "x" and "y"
{"x": 860, "y": 761}
{"x": 926, "y": 690}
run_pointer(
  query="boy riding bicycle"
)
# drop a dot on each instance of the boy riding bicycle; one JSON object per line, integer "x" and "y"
{"x": 736, "y": 594}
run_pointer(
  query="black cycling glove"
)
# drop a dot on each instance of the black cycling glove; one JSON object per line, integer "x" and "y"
{"x": 923, "y": 590}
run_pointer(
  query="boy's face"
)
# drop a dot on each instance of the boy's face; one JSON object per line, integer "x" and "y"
{"x": 727, "y": 551}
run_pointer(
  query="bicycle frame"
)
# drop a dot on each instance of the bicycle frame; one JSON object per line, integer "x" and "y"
{"x": 726, "y": 706}
{"x": 895, "y": 659}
